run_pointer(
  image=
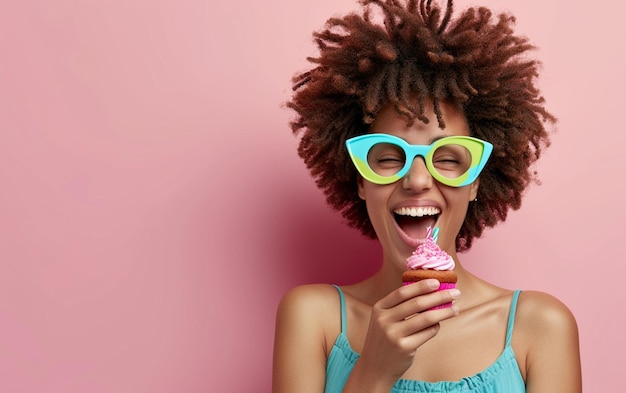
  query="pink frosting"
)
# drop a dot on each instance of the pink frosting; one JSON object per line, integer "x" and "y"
{"x": 428, "y": 255}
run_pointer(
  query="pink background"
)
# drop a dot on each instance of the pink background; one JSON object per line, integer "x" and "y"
{"x": 153, "y": 209}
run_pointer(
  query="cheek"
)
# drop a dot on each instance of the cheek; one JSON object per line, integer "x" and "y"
{"x": 376, "y": 199}
{"x": 458, "y": 202}
{"x": 374, "y": 202}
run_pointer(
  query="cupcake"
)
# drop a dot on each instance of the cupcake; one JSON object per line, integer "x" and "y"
{"x": 430, "y": 261}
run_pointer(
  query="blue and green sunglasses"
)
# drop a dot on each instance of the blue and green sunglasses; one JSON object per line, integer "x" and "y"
{"x": 455, "y": 161}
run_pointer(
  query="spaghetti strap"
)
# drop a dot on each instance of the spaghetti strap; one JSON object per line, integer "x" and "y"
{"x": 511, "y": 323}
{"x": 342, "y": 300}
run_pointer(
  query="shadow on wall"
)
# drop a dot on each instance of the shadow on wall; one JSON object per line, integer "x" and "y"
{"x": 316, "y": 245}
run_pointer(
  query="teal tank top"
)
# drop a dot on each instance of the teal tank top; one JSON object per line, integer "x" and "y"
{"x": 503, "y": 376}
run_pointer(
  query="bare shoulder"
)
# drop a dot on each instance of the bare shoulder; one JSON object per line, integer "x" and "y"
{"x": 543, "y": 312}
{"x": 310, "y": 298}
{"x": 313, "y": 310}
{"x": 546, "y": 337}
{"x": 306, "y": 317}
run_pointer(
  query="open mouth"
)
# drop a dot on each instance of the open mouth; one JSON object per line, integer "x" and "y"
{"x": 415, "y": 221}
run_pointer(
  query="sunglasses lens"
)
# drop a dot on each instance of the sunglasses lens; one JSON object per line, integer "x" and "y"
{"x": 452, "y": 160}
{"x": 386, "y": 159}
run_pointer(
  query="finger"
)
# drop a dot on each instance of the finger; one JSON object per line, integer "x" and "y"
{"x": 417, "y": 339}
{"x": 425, "y": 325}
{"x": 426, "y": 302}
{"x": 406, "y": 292}
{"x": 420, "y": 303}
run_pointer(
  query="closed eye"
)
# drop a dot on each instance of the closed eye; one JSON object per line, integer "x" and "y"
{"x": 447, "y": 161}
{"x": 391, "y": 159}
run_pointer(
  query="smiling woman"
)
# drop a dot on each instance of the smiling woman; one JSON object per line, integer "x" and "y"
{"x": 422, "y": 185}
{"x": 412, "y": 120}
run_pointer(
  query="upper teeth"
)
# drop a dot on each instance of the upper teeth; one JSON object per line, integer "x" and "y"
{"x": 417, "y": 211}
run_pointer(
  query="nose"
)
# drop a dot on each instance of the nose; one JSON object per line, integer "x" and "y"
{"x": 417, "y": 178}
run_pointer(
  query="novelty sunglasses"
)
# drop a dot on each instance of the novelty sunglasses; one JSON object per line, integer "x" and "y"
{"x": 455, "y": 161}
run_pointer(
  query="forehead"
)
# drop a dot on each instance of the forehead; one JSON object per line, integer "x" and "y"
{"x": 390, "y": 121}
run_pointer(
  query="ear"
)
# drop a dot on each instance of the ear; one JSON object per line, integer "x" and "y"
{"x": 361, "y": 189}
{"x": 474, "y": 189}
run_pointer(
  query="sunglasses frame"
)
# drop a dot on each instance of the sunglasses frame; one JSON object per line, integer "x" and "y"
{"x": 359, "y": 147}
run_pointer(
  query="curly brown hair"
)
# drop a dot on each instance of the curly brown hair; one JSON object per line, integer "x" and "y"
{"x": 416, "y": 48}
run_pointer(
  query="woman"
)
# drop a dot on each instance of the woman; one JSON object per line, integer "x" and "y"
{"x": 418, "y": 79}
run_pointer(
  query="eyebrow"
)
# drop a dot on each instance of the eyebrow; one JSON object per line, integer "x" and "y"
{"x": 430, "y": 142}
{"x": 435, "y": 139}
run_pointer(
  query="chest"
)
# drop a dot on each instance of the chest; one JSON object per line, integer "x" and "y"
{"x": 464, "y": 345}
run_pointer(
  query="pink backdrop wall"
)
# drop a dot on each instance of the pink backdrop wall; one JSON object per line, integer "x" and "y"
{"x": 153, "y": 209}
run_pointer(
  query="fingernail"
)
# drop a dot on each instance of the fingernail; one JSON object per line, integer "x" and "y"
{"x": 455, "y": 293}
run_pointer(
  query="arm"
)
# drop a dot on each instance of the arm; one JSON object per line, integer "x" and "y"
{"x": 553, "y": 357}
{"x": 299, "y": 343}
